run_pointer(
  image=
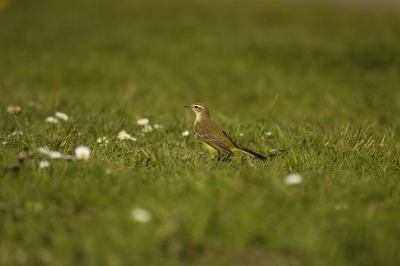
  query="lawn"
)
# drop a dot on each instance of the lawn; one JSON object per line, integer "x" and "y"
{"x": 319, "y": 79}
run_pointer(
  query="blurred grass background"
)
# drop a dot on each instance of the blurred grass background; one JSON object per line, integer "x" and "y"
{"x": 322, "y": 77}
{"x": 342, "y": 60}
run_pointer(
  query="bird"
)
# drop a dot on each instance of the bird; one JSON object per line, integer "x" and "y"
{"x": 213, "y": 136}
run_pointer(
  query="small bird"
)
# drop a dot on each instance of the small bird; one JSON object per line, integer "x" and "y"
{"x": 212, "y": 136}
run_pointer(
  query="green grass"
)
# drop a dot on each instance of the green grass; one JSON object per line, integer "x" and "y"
{"x": 322, "y": 80}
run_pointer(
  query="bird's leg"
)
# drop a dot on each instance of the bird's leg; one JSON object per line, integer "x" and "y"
{"x": 227, "y": 158}
{"x": 212, "y": 156}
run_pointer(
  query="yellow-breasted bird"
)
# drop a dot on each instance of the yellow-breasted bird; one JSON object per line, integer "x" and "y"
{"x": 214, "y": 137}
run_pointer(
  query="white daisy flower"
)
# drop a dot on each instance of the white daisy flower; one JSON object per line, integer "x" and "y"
{"x": 140, "y": 215}
{"x": 12, "y": 109}
{"x": 185, "y": 133}
{"x": 61, "y": 116}
{"x": 147, "y": 128}
{"x": 157, "y": 126}
{"x": 44, "y": 151}
{"x": 143, "y": 121}
{"x": 82, "y": 152}
{"x": 44, "y": 164}
{"x": 17, "y": 133}
{"x": 51, "y": 119}
{"x": 103, "y": 139}
{"x": 293, "y": 179}
{"x": 55, "y": 154}
{"x": 125, "y": 136}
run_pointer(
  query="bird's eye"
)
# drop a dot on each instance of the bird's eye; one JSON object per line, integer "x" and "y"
{"x": 196, "y": 106}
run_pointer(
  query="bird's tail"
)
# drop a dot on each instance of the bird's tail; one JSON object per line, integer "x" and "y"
{"x": 253, "y": 153}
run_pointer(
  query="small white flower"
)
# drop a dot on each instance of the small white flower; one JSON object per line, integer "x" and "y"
{"x": 103, "y": 139}
{"x": 13, "y": 109}
{"x": 241, "y": 134}
{"x": 147, "y": 128}
{"x": 55, "y": 154}
{"x": 4, "y": 142}
{"x": 157, "y": 126}
{"x": 61, "y": 116}
{"x": 17, "y": 133}
{"x": 51, "y": 119}
{"x": 123, "y": 135}
{"x": 143, "y": 121}
{"x": 44, "y": 151}
{"x": 140, "y": 215}
{"x": 44, "y": 164}
{"x": 268, "y": 133}
{"x": 185, "y": 133}
{"x": 10, "y": 109}
{"x": 293, "y": 179}
{"x": 82, "y": 152}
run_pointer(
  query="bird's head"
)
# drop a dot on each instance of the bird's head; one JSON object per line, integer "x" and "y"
{"x": 199, "y": 109}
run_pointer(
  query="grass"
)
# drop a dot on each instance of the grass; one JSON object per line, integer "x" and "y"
{"x": 319, "y": 79}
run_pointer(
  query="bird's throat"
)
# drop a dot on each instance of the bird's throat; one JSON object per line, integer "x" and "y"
{"x": 198, "y": 117}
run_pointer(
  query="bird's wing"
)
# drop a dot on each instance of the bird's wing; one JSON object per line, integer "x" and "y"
{"x": 229, "y": 137}
{"x": 214, "y": 141}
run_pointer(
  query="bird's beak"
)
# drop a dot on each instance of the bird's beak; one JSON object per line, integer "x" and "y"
{"x": 187, "y": 106}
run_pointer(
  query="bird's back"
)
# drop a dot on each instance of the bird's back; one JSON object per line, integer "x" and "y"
{"x": 208, "y": 129}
